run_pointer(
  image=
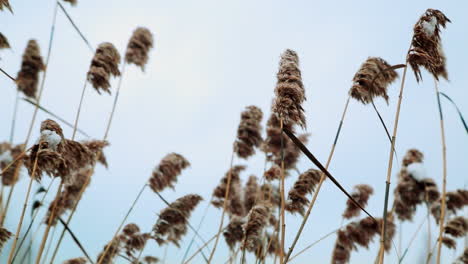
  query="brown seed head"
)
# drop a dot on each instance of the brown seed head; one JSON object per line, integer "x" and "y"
{"x": 165, "y": 174}
{"x": 131, "y": 229}
{"x": 256, "y": 222}
{"x": 305, "y": 184}
{"x": 372, "y": 80}
{"x": 5, "y": 3}
{"x": 273, "y": 173}
{"x": 4, "y": 41}
{"x": 97, "y": 147}
{"x": 412, "y": 156}
{"x": 28, "y": 76}
{"x": 138, "y": 47}
{"x": 235, "y": 206}
{"x": 463, "y": 259}
{"x": 8, "y": 154}
{"x": 249, "y": 133}
{"x": 81, "y": 260}
{"x": 4, "y": 236}
{"x": 449, "y": 243}
{"x": 110, "y": 251}
{"x": 105, "y": 63}
{"x": 72, "y": 2}
{"x": 150, "y": 260}
{"x": 457, "y": 227}
{"x": 290, "y": 93}
{"x": 361, "y": 194}
{"x": 426, "y": 48}
{"x": 251, "y": 192}
{"x": 234, "y": 233}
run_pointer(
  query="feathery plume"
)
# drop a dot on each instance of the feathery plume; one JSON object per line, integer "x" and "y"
{"x": 139, "y": 46}
{"x": 270, "y": 194}
{"x": 105, "y": 63}
{"x": 372, "y": 80}
{"x": 150, "y": 260}
{"x": 249, "y": 133}
{"x": 426, "y": 48}
{"x": 431, "y": 191}
{"x": 457, "y": 200}
{"x": 235, "y": 206}
{"x": 390, "y": 231}
{"x": 256, "y": 222}
{"x": 165, "y": 174}
{"x": 361, "y": 194}
{"x": 76, "y": 261}
{"x": 173, "y": 220}
{"x": 133, "y": 243}
{"x": 5, "y": 3}
{"x": 304, "y": 185}
{"x": 291, "y": 153}
{"x": 290, "y": 93}
{"x": 412, "y": 156}
{"x": 463, "y": 259}
{"x": 251, "y": 191}
{"x": 234, "y": 232}
{"x": 72, "y": 2}
{"x": 28, "y": 76}
{"x": 96, "y": 147}
{"x": 8, "y": 154}
{"x": 457, "y": 227}
{"x": 4, "y": 236}
{"x": 273, "y": 173}
{"x": 449, "y": 243}
{"x": 272, "y": 143}
{"x": 110, "y": 251}
{"x": 130, "y": 229}
{"x": 4, "y": 42}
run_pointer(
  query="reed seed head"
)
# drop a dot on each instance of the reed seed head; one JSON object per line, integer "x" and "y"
{"x": 256, "y": 222}
{"x": 290, "y": 92}
{"x": 80, "y": 260}
{"x": 412, "y": 156}
{"x": 4, "y": 236}
{"x": 173, "y": 220}
{"x": 107, "y": 256}
{"x": 97, "y": 147}
{"x": 28, "y": 76}
{"x": 4, "y": 44}
{"x": 8, "y": 154}
{"x": 249, "y": 134}
{"x": 234, "y": 233}
{"x": 291, "y": 153}
{"x": 426, "y": 48}
{"x": 463, "y": 259}
{"x": 138, "y": 47}
{"x": 273, "y": 173}
{"x": 251, "y": 192}
{"x": 457, "y": 227}
{"x": 72, "y": 2}
{"x": 449, "y": 243}
{"x": 150, "y": 260}
{"x": 361, "y": 194}
{"x": 5, "y": 4}
{"x": 104, "y": 64}
{"x": 166, "y": 173}
{"x": 305, "y": 184}
{"x": 130, "y": 229}
{"x": 372, "y": 80}
{"x": 235, "y": 205}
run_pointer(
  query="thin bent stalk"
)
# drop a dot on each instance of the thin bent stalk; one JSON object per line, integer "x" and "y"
{"x": 49, "y": 224}
{"x": 79, "y": 110}
{"x": 13, "y": 118}
{"x": 314, "y": 243}
{"x": 390, "y": 164}
{"x": 25, "y": 204}
{"x": 226, "y": 197}
{"x": 50, "y": 242}
{"x": 283, "y": 221}
{"x": 322, "y": 178}
{"x": 444, "y": 175}
{"x": 414, "y": 237}
{"x": 203, "y": 246}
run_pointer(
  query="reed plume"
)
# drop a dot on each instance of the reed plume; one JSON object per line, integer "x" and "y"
{"x": 251, "y": 191}
{"x": 304, "y": 185}
{"x": 234, "y": 206}
{"x": 463, "y": 259}
{"x": 8, "y": 154}
{"x": 81, "y": 260}
{"x": 256, "y": 222}
{"x": 234, "y": 232}
{"x": 72, "y": 2}
{"x": 457, "y": 227}
{"x": 426, "y": 48}
{"x": 291, "y": 153}
{"x": 133, "y": 241}
{"x": 165, "y": 174}
{"x": 361, "y": 194}
{"x": 150, "y": 260}
{"x": 290, "y": 92}
{"x": 28, "y": 76}
{"x": 4, "y": 44}
{"x": 456, "y": 200}
{"x": 372, "y": 80}
{"x": 5, "y": 3}
{"x": 249, "y": 133}
{"x": 173, "y": 220}
{"x": 272, "y": 143}
{"x": 4, "y": 236}
{"x": 109, "y": 252}
{"x": 138, "y": 47}
{"x": 104, "y": 64}
{"x": 412, "y": 156}
{"x": 130, "y": 229}
{"x": 449, "y": 243}
{"x": 273, "y": 173}
{"x": 97, "y": 147}
{"x": 270, "y": 194}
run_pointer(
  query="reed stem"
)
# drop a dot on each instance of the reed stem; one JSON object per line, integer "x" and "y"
{"x": 390, "y": 165}
{"x": 226, "y": 197}
{"x": 283, "y": 202}
{"x": 444, "y": 175}
{"x": 203, "y": 246}
{"x": 13, "y": 118}
{"x": 322, "y": 178}
{"x": 79, "y": 110}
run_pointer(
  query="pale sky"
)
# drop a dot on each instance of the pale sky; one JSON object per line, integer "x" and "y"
{"x": 211, "y": 60}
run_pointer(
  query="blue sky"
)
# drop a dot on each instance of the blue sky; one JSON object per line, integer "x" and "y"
{"x": 213, "y": 58}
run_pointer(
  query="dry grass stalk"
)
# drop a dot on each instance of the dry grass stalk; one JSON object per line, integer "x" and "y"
{"x": 249, "y": 133}
{"x": 361, "y": 194}
{"x": 4, "y": 44}
{"x": 80, "y": 260}
{"x": 234, "y": 203}
{"x": 72, "y": 2}
{"x": 426, "y": 48}
{"x": 165, "y": 174}
{"x": 173, "y": 220}
{"x": 372, "y": 80}
{"x": 8, "y": 154}
{"x": 105, "y": 63}
{"x": 291, "y": 154}
{"x": 4, "y": 236}
{"x": 304, "y": 185}
{"x": 290, "y": 93}
{"x": 138, "y": 47}
{"x": 28, "y": 76}
{"x": 5, "y": 3}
